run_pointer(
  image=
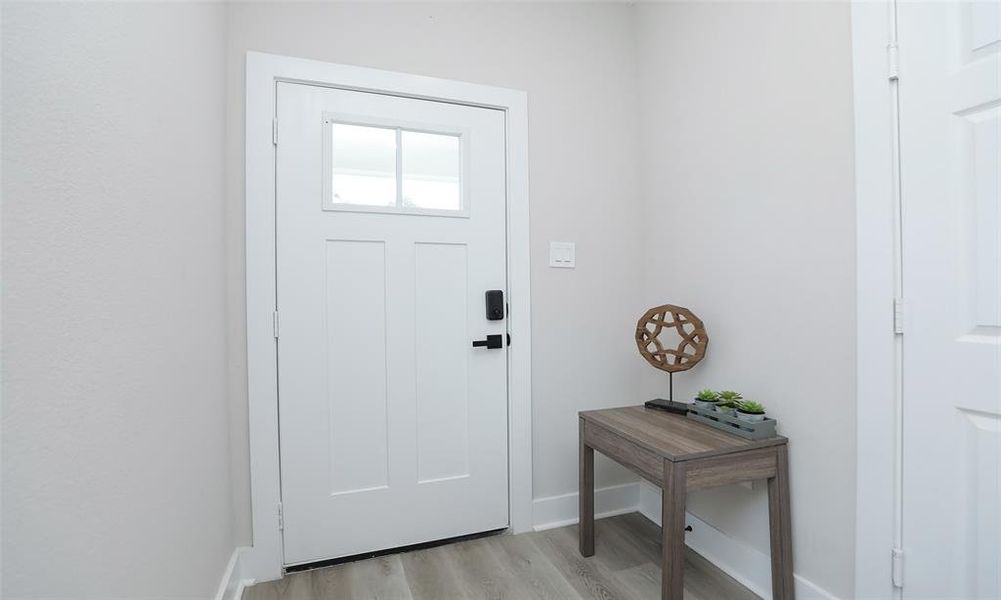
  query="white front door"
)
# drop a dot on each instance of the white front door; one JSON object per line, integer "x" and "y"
{"x": 950, "y": 119}
{"x": 390, "y": 229}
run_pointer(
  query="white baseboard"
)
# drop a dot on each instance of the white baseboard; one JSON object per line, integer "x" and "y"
{"x": 558, "y": 511}
{"x": 233, "y": 581}
{"x": 748, "y": 565}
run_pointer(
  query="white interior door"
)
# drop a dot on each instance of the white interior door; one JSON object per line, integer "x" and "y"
{"x": 950, "y": 90}
{"x": 390, "y": 228}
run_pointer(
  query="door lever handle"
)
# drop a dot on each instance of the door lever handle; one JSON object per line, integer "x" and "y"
{"x": 491, "y": 343}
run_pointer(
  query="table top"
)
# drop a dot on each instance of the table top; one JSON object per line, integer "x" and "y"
{"x": 675, "y": 437}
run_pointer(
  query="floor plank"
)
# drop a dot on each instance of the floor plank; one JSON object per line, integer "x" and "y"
{"x": 379, "y": 578}
{"x": 533, "y": 567}
{"x": 707, "y": 581}
{"x": 542, "y": 565}
{"x": 482, "y": 573}
{"x": 429, "y": 574}
{"x": 590, "y": 578}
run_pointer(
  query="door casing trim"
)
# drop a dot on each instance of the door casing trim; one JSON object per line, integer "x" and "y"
{"x": 878, "y": 350}
{"x": 264, "y": 561}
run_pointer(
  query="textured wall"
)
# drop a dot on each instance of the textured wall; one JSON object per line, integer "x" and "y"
{"x": 116, "y": 480}
{"x": 748, "y": 183}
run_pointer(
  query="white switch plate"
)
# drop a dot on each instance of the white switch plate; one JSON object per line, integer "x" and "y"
{"x": 562, "y": 255}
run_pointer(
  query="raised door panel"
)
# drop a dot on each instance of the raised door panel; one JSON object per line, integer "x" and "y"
{"x": 355, "y": 327}
{"x": 442, "y": 372}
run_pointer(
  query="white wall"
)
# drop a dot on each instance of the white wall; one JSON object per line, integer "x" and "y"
{"x": 746, "y": 174}
{"x": 576, "y": 62}
{"x": 697, "y": 153}
{"x": 115, "y": 426}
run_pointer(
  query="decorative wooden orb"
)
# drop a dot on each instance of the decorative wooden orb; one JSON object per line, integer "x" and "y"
{"x": 671, "y": 338}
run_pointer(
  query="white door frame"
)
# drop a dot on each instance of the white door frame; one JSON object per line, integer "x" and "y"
{"x": 264, "y": 561}
{"x": 878, "y": 276}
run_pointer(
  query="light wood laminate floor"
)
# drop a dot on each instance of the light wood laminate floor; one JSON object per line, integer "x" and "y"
{"x": 544, "y": 564}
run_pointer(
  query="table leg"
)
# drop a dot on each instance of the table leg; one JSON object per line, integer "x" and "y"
{"x": 780, "y": 527}
{"x": 586, "y": 496}
{"x": 672, "y": 584}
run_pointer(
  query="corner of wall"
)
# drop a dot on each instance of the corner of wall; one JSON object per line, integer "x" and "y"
{"x": 234, "y": 579}
{"x": 748, "y": 565}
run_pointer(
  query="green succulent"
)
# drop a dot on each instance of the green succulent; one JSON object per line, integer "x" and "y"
{"x": 707, "y": 395}
{"x": 729, "y": 403}
{"x": 751, "y": 407}
{"x": 729, "y": 396}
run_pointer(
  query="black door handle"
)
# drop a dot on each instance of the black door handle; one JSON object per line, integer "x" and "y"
{"x": 491, "y": 343}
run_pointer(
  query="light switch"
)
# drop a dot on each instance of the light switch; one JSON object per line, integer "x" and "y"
{"x": 562, "y": 255}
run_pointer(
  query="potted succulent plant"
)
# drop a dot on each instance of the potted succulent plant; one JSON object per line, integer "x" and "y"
{"x": 706, "y": 399}
{"x": 726, "y": 407}
{"x": 728, "y": 402}
{"x": 750, "y": 411}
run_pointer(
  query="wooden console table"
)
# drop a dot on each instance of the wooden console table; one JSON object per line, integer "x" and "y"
{"x": 678, "y": 454}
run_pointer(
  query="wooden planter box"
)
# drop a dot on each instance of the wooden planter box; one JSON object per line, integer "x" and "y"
{"x": 752, "y": 431}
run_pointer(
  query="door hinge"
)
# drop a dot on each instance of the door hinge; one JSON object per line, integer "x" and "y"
{"x": 898, "y": 315}
{"x": 274, "y": 323}
{"x": 892, "y": 62}
{"x": 274, "y": 131}
{"x": 281, "y": 518}
{"x": 897, "y": 558}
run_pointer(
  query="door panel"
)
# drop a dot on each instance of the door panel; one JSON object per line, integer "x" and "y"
{"x": 391, "y": 225}
{"x": 355, "y": 350}
{"x": 443, "y": 362}
{"x": 950, "y": 104}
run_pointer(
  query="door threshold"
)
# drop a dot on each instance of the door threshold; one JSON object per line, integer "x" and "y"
{"x": 330, "y": 562}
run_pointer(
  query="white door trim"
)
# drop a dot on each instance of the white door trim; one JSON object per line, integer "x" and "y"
{"x": 878, "y": 352}
{"x": 264, "y": 561}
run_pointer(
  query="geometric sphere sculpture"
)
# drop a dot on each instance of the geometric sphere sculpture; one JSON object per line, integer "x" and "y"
{"x": 671, "y": 338}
